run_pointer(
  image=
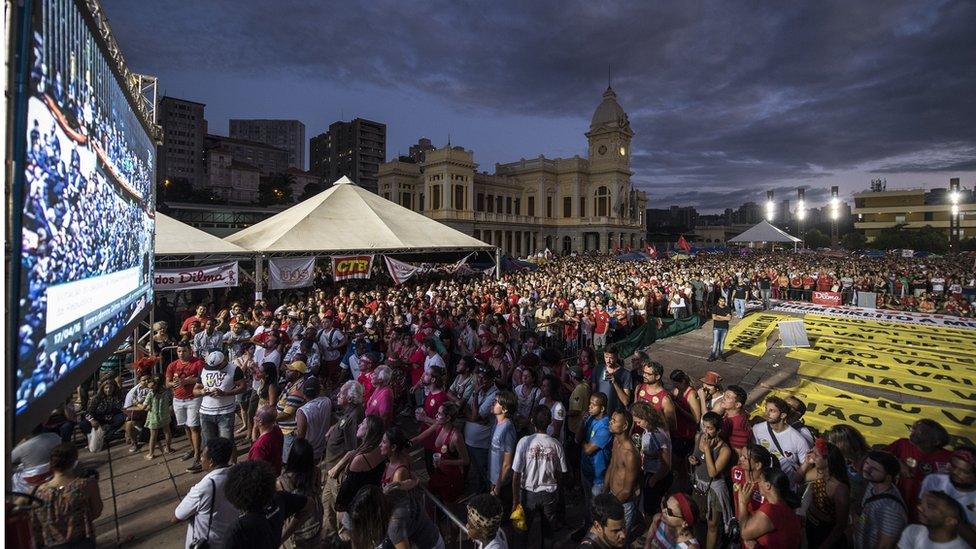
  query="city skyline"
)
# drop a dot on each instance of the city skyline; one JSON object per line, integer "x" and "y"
{"x": 725, "y": 103}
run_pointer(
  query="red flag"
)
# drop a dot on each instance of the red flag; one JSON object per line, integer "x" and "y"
{"x": 651, "y": 250}
{"x": 627, "y": 248}
{"x": 616, "y": 248}
{"x": 683, "y": 244}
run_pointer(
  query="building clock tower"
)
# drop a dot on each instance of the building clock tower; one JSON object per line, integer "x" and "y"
{"x": 609, "y": 137}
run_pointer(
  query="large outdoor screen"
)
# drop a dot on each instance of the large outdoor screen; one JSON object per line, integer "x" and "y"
{"x": 86, "y": 209}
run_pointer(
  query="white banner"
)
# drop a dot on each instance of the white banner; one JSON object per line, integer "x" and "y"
{"x": 926, "y": 319}
{"x": 290, "y": 273}
{"x": 400, "y": 272}
{"x": 907, "y": 253}
{"x": 222, "y": 275}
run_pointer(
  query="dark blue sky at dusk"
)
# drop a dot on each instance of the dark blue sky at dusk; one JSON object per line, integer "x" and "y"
{"x": 726, "y": 100}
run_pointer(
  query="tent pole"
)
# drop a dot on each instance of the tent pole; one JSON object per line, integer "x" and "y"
{"x": 258, "y": 276}
{"x": 498, "y": 263}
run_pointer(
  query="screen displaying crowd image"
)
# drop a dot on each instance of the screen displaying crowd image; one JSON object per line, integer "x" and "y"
{"x": 88, "y": 207}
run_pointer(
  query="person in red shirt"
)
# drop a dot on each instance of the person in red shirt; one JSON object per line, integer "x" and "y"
{"x": 775, "y": 525}
{"x": 367, "y": 363}
{"x": 601, "y": 324}
{"x": 735, "y": 424}
{"x": 270, "y": 444}
{"x": 434, "y": 396}
{"x": 200, "y": 317}
{"x": 825, "y": 282}
{"x": 921, "y": 454}
{"x": 181, "y": 376}
{"x": 752, "y": 460}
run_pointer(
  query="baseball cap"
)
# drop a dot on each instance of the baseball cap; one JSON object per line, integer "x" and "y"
{"x": 298, "y": 366}
{"x": 486, "y": 371}
{"x": 215, "y": 358}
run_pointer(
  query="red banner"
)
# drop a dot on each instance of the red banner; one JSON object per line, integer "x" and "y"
{"x": 346, "y": 267}
{"x": 831, "y": 299}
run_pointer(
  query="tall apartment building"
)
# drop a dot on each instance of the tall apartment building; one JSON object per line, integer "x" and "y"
{"x": 284, "y": 134}
{"x": 354, "y": 149}
{"x": 181, "y": 156}
{"x": 563, "y": 204}
{"x": 266, "y": 158}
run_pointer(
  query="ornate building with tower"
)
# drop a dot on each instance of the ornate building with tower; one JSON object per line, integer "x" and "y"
{"x": 561, "y": 204}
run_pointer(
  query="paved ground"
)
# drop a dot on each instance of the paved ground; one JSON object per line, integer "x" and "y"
{"x": 140, "y": 495}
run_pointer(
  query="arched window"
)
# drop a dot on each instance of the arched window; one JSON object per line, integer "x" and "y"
{"x": 601, "y": 201}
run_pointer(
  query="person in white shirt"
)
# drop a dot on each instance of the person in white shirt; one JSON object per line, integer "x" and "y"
{"x": 484, "y": 522}
{"x": 220, "y": 382}
{"x": 538, "y": 464}
{"x": 268, "y": 352}
{"x": 433, "y": 359}
{"x": 960, "y": 485}
{"x": 940, "y": 517}
{"x": 211, "y": 515}
{"x": 782, "y": 441}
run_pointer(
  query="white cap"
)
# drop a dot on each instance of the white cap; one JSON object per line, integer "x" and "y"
{"x": 215, "y": 358}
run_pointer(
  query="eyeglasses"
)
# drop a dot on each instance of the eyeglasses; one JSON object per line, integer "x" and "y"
{"x": 667, "y": 511}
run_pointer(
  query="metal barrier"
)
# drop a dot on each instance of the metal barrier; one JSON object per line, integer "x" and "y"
{"x": 454, "y": 523}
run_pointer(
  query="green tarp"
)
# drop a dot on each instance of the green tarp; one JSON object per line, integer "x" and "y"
{"x": 648, "y": 333}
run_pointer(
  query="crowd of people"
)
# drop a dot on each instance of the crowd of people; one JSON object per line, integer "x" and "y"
{"x": 304, "y": 415}
{"x": 77, "y": 223}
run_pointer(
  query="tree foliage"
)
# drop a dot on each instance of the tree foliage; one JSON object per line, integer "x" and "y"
{"x": 311, "y": 190}
{"x": 926, "y": 239}
{"x": 816, "y": 239}
{"x": 276, "y": 189}
{"x": 854, "y": 241}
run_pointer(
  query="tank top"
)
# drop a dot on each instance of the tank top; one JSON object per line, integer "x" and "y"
{"x": 387, "y": 479}
{"x": 686, "y": 426}
{"x": 442, "y": 445}
{"x": 787, "y": 525}
{"x": 317, "y": 413}
{"x": 656, "y": 399}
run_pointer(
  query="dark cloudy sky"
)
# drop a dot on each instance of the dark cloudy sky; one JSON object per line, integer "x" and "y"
{"x": 727, "y": 99}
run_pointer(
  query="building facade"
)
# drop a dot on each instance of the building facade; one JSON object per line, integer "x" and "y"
{"x": 231, "y": 180}
{"x": 266, "y": 158}
{"x": 418, "y": 152}
{"x": 353, "y": 149}
{"x": 877, "y": 210}
{"x": 181, "y": 156}
{"x": 284, "y": 134}
{"x": 561, "y": 204}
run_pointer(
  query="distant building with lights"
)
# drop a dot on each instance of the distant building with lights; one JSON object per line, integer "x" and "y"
{"x": 879, "y": 209}
{"x": 181, "y": 156}
{"x": 563, "y": 204}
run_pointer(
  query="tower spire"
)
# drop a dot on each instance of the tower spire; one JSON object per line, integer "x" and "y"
{"x": 609, "y": 76}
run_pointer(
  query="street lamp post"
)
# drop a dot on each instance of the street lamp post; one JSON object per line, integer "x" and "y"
{"x": 800, "y": 211}
{"x": 834, "y": 215}
{"x": 954, "y": 197}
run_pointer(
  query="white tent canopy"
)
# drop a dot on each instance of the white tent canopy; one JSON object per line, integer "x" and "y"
{"x": 176, "y": 238}
{"x": 348, "y": 218}
{"x": 764, "y": 231}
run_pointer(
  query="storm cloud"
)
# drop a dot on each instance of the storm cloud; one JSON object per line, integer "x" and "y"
{"x": 726, "y": 99}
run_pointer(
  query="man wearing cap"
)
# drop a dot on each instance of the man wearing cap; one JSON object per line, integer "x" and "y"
{"x": 883, "y": 513}
{"x": 314, "y": 417}
{"x": 220, "y": 381}
{"x": 292, "y": 398}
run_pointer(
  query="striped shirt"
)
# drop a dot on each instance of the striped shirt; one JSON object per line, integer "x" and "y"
{"x": 292, "y": 398}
